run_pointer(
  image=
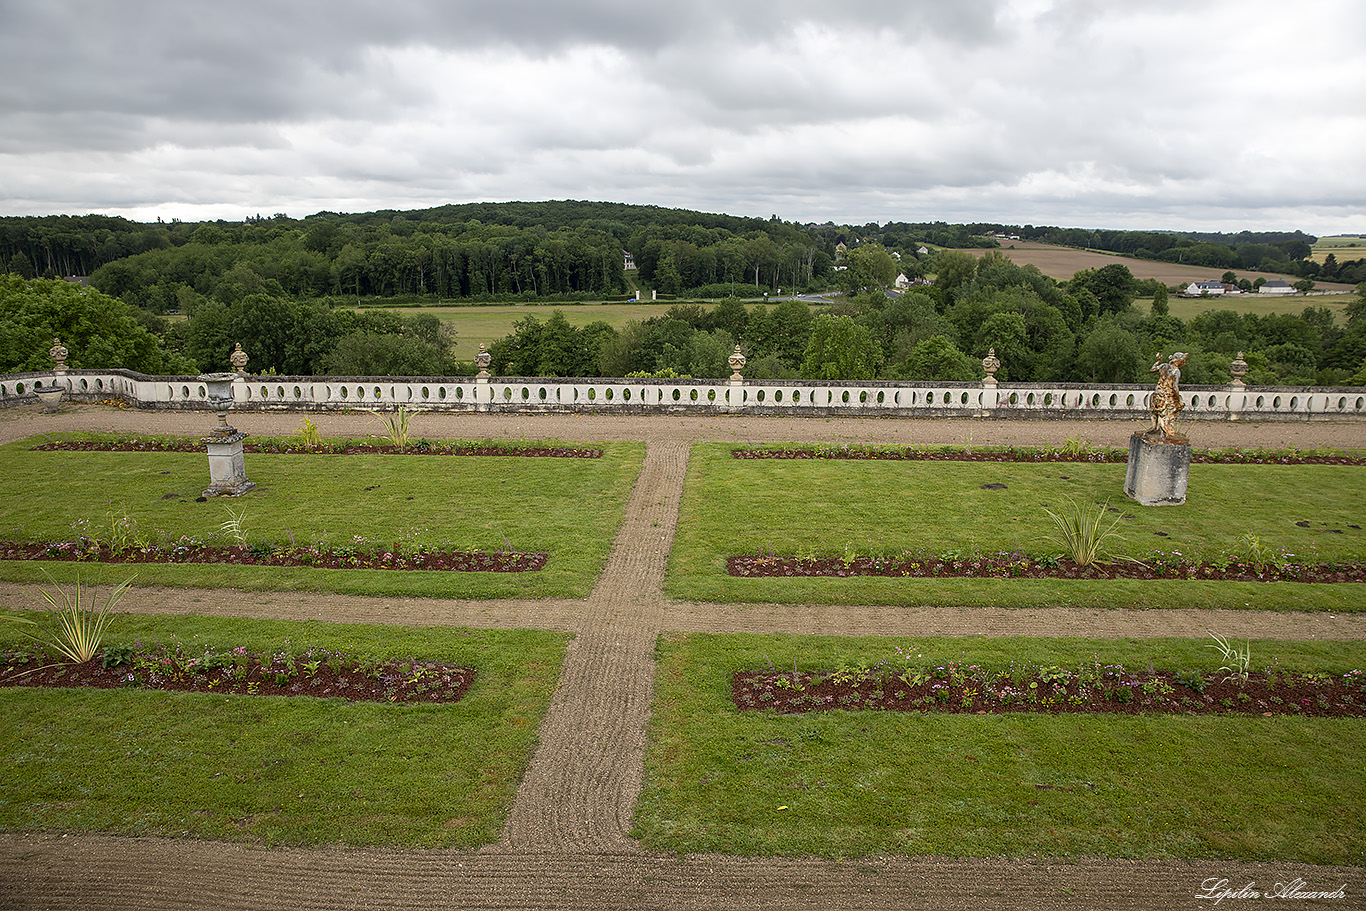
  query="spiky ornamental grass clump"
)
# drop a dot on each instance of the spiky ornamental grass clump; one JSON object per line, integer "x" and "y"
{"x": 1083, "y": 532}
{"x": 72, "y": 628}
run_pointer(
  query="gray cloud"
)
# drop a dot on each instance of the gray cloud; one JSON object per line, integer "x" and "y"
{"x": 1043, "y": 111}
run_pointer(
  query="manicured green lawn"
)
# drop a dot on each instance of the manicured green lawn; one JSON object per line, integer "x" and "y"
{"x": 830, "y": 507}
{"x": 282, "y": 770}
{"x": 860, "y": 783}
{"x": 568, "y": 508}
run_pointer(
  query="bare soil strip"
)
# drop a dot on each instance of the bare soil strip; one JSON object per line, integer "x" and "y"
{"x": 566, "y": 841}
{"x": 51, "y": 873}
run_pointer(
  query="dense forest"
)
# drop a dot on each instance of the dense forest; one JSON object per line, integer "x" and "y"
{"x": 294, "y": 292}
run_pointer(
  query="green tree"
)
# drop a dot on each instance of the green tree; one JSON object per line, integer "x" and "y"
{"x": 868, "y": 267}
{"x": 98, "y": 331}
{"x": 1110, "y": 354}
{"x": 952, "y": 268}
{"x": 936, "y": 358}
{"x": 1160, "y": 306}
{"x": 840, "y": 349}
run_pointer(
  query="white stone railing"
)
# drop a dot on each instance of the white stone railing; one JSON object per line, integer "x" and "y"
{"x": 649, "y": 396}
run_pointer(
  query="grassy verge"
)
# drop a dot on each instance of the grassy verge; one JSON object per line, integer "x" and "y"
{"x": 283, "y": 770}
{"x": 832, "y": 507}
{"x": 862, "y": 783}
{"x": 568, "y": 508}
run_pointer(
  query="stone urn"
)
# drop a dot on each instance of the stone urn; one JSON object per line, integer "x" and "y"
{"x": 219, "y": 387}
{"x": 50, "y": 396}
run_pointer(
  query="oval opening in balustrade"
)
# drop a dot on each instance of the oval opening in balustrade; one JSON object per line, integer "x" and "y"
{"x": 343, "y": 392}
{"x": 1261, "y": 401}
{"x": 1342, "y": 403}
{"x": 1013, "y": 398}
{"x": 760, "y": 395}
{"x": 459, "y": 393}
{"x": 863, "y": 398}
{"x": 1359, "y": 401}
{"x": 592, "y": 394}
{"x": 844, "y": 396}
{"x": 441, "y": 393}
{"x": 1276, "y": 402}
{"x": 1294, "y": 402}
{"x": 1029, "y": 399}
{"x": 541, "y": 395}
{"x": 711, "y": 395}
{"x": 379, "y": 394}
{"x": 298, "y": 393}
{"x": 85, "y": 386}
{"x": 426, "y": 393}
{"x": 796, "y": 396}
{"x": 778, "y": 396}
{"x": 526, "y": 394}
{"x": 609, "y": 391}
{"x": 929, "y": 398}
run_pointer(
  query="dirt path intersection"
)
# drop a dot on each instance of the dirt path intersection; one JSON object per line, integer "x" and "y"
{"x": 566, "y": 842}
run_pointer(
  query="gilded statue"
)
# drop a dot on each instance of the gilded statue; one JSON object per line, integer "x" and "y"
{"x": 1166, "y": 400}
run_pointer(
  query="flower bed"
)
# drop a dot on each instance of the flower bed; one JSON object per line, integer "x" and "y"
{"x": 322, "y": 556}
{"x": 1082, "y": 453}
{"x": 1015, "y": 566}
{"x": 346, "y": 447}
{"x": 1110, "y": 689}
{"x": 316, "y": 673}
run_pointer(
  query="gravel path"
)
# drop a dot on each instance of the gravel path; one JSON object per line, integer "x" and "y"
{"x": 566, "y": 842}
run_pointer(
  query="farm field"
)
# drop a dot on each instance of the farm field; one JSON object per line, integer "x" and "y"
{"x": 1344, "y": 248}
{"x": 484, "y": 325}
{"x": 1064, "y": 262}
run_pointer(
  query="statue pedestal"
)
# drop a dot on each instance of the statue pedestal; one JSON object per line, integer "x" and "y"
{"x": 227, "y": 466}
{"x": 1158, "y": 471}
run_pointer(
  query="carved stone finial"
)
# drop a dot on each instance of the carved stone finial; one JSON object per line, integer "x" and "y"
{"x": 58, "y": 353}
{"x": 991, "y": 363}
{"x": 737, "y": 363}
{"x": 482, "y": 360}
{"x": 1239, "y": 370}
{"x": 239, "y": 359}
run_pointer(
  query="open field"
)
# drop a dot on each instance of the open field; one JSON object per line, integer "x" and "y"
{"x": 1344, "y": 248}
{"x": 567, "y": 508}
{"x": 845, "y": 783}
{"x": 484, "y": 325}
{"x": 1064, "y": 262}
{"x": 871, "y": 508}
{"x": 278, "y": 769}
{"x": 1186, "y": 307}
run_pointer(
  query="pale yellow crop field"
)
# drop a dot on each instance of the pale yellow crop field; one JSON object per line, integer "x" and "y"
{"x": 1343, "y": 248}
{"x": 1064, "y": 262}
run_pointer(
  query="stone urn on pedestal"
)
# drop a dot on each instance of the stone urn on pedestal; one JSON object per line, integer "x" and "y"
{"x": 227, "y": 464}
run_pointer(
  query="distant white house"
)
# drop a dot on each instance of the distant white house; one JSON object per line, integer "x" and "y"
{"x": 629, "y": 261}
{"x": 1276, "y": 286}
{"x": 921, "y": 251}
{"x": 1213, "y": 289}
{"x": 902, "y": 281}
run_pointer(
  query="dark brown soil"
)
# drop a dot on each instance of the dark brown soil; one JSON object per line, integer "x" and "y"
{"x": 1040, "y": 454}
{"x": 89, "y": 551}
{"x": 348, "y": 447}
{"x": 278, "y": 675}
{"x": 1014, "y": 566}
{"x": 1111, "y": 690}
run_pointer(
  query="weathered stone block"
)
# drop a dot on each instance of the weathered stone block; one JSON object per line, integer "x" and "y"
{"x": 227, "y": 466}
{"x": 1158, "y": 471}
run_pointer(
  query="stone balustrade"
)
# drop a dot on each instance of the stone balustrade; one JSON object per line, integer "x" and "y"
{"x": 661, "y": 396}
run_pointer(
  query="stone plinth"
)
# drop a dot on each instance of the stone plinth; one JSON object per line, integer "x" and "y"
{"x": 227, "y": 466}
{"x": 1158, "y": 471}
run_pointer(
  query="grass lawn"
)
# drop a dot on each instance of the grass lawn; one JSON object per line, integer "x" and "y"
{"x": 860, "y": 783}
{"x": 568, "y": 508}
{"x": 829, "y": 507}
{"x": 282, "y": 770}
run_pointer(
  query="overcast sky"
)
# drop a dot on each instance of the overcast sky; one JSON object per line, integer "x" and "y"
{"x": 1186, "y": 114}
